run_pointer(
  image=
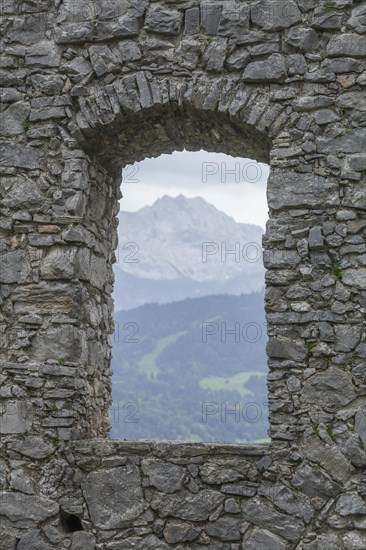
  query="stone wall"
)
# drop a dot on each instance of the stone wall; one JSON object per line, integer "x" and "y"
{"x": 89, "y": 86}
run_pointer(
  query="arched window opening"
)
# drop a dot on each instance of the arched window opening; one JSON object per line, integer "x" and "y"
{"x": 189, "y": 358}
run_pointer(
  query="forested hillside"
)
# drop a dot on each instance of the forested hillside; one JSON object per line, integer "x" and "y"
{"x": 192, "y": 370}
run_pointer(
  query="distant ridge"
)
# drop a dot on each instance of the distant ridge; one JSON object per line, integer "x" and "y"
{"x": 161, "y": 253}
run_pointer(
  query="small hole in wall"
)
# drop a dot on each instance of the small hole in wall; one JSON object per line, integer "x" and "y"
{"x": 70, "y": 523}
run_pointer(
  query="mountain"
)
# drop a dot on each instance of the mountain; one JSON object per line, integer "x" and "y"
{"x": 180, "y": 247}
{"x": 179, "y": 370}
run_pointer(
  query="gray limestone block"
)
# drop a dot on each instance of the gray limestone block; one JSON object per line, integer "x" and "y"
{"x": 192, "y": 21}
{"x": 262, "y": 539}
{"x": 328, "y": 456}
{"x": 75, "y": 11}
{"x": 15, "y": 416}
{"x": 48, "y": 83}
{"x": 74, "y": 32}
{"x": 329, "y": 541}
{"x": 59, "y": 263}
{"x": 227, "y": 528}
{"x": 232, "y": 506}
{"x": 103, "y": 60}
{"x": 331, "y": 389}
{"x": 20, "y": 156}
{"x": 77, "y": 69}
{"x": 255, "y": 511}
{"x": 360, "y": 426}
{"x": 188, "y": 506}
{"x": 124, "y": 26}
{"x": 12, "y": 120}
{"x": 289, "y": 189}
{"x": 275, "y": 15}
{"x": 314, "y": 483}
{"x": 355, "y": 278}
{"x": 43, "y": 54}
{"x": 21, "y": 481}
{"x": 242, "y": 490}
{"x": 325, "y": 18}
{"x": 287, "y": 500}
{"x": 82, "y": 540}
{"x": 354, "y": 540}
{"x": 310, "y": 103}
{"x": 179, "y": 531}
{"x": 347, "y": 44}
{"x": 8, "y": 540}
{"x": 166, "y": 477}
{"x": 347, "y": 337}
{"x": 238, "y": 59}
{"x": 211, "y": 16}
{"x": 27, "y": 508}
{"x": 273, "y": 69}
{"x": 284, "y": 348}
{"x": 349, "y": 444}
{"x": 164, "y": 21}
{"x": 358, "y": 162}
{"x": 357, "y": 21}
{"x": 304, "y": 39}
{"x": 114, "y": 496}
{"x": 326, "y": 116}
{"x": 218, "y": 470}
{"x": 215, "y": 55}
{"x": 151, "y": 542}
{"x": 235, "y": 19}
{"x": 281, "y": 259}
{"x": 350, "y": 504}
{"x": 316, "y": 239}
{"x": 340, "y": 65}
{"x": 32, "y": 447}
{"x": 59, "y": 342}
{"x": 296, "y": 64}
{"x": 14, "y": 267}
{"x": 32, "y": 541}
{"x": 130, "y": 51}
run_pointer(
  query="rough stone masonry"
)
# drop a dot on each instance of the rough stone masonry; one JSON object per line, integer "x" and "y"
{"x": 89, "y": 86}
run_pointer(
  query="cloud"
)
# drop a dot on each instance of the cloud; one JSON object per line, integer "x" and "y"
{"x": 235, "y": 186}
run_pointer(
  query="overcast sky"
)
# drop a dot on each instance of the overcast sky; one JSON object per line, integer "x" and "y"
{"x": 235, "y": 186}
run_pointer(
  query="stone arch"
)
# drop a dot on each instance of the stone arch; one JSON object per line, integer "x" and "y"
{"x": 195, "y": 112}
{"x": 282, "y": 81}
{"x": 116, "y": 128}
